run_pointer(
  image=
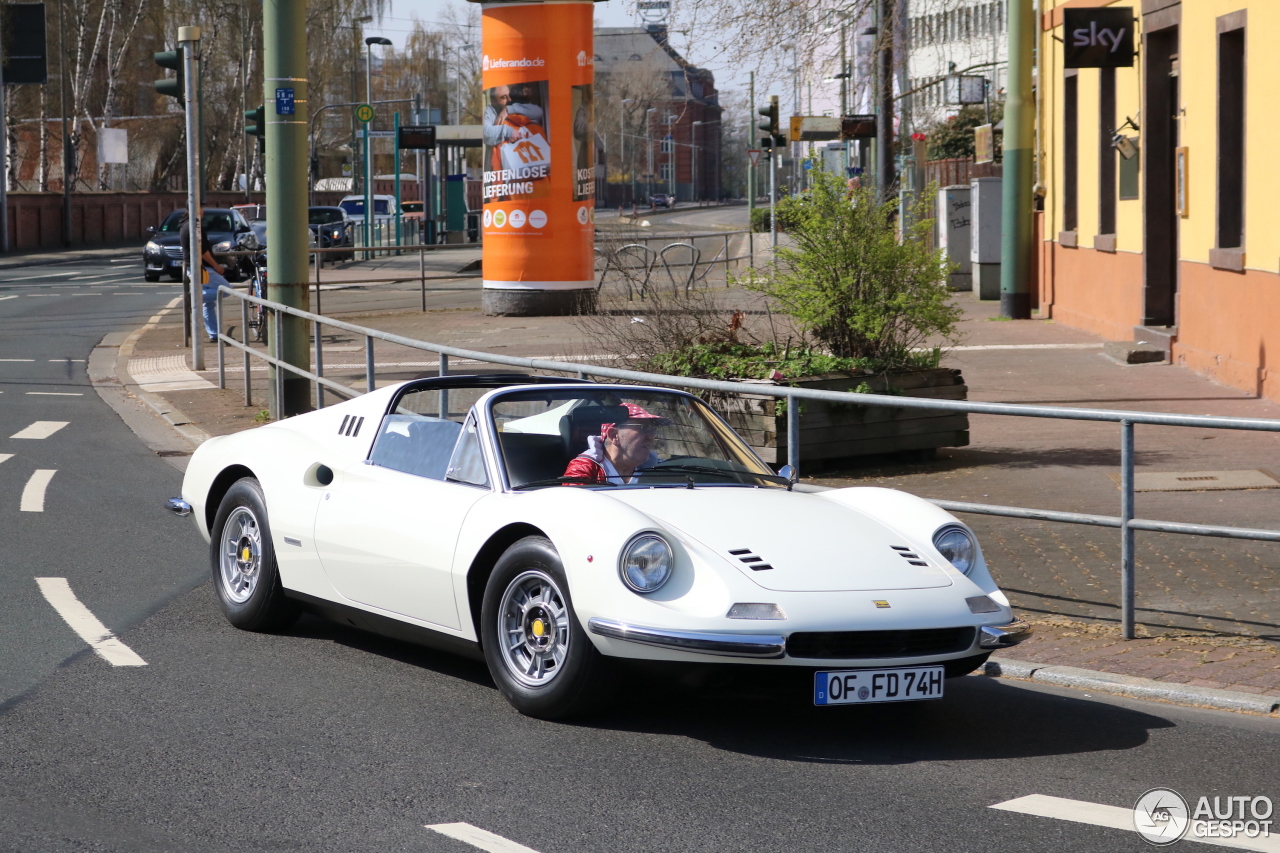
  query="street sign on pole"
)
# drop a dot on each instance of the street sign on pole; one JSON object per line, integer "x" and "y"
{"x": 754, "y": 154}
{"x": 364, "y": 113}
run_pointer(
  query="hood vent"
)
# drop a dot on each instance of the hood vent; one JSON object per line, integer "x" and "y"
{"x": 750, "y": 560}
{"x": 907, "y": 554}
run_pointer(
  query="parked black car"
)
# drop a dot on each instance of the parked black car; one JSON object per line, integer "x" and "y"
{"x": 163, "y": 252}
{"x": 333, "y": 229}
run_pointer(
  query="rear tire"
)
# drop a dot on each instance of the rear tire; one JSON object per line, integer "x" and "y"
{"x": 538, "y": 652}
{"x": 243, "y": 560}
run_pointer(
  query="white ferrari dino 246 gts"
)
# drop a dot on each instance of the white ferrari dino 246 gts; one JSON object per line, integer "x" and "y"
{"x": 562, "y": 529}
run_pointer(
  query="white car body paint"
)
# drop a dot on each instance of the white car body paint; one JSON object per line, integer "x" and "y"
{"x": 831, "y": 551}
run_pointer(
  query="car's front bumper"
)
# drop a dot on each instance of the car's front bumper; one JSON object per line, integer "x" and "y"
{"x": 773, "y": 646}
{"x": 724, "y": 645}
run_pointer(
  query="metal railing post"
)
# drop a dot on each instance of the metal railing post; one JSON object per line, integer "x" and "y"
{"x": 244, "y": 335}
{"x": 278, "y": 330}
{"x": 422, "y": 276}
{"x": 1126, "y": 532}
{"x": 315, "y": 330}
{"x": 368, "y": 362}
{"x": 222, "y": 364}
{"x": 793, "y": 434}
{"x": 444, "y": 392}
{"x": 319, "y": 260}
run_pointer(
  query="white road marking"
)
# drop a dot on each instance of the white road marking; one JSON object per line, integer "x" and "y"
{"x": 4, "y": 456}
{"x": 477, "y": 837}
{"x": 55, "y": 393}
{"x": 1114, "y": 817}
{"x": 13, "y": 296}
{"x": 17, "y": 359}
{"x": 33, "y": 492}
{"x": 61, "y": 360}
{"x": 58, "y": 593}
{"x": 40, "y": 429}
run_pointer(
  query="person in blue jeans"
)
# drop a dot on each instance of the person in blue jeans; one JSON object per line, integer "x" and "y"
{"x": 216, "y": 275}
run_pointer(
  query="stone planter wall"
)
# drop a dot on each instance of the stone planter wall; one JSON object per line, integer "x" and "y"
{"x": 830, "y": 432}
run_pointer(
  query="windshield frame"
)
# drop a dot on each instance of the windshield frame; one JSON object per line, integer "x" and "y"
{"x": 726, "y": 433}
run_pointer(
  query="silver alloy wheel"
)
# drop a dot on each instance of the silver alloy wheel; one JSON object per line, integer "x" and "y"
{"x": 533, "y": 627}
{"x": 240, "y": 558}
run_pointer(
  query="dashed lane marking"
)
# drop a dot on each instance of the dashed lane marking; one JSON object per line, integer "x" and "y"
{"x": 1114, "y": 817}
{"x": 33, "y": 491}
{"x": 4, "y": 456}
{"x": 12, "y": 296}
{"x": 55, "y": 393}
{"x": 40, "y": 429}
{"x": 477, "y": 837}
{"x": 58, "y": 593}
{"x": 17, "y": 359}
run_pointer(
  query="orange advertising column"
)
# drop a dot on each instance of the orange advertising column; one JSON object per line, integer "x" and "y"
{"x": 539, "y": 158}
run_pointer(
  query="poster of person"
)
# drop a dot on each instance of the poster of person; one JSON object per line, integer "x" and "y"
{"x": 517, "y": 146}
{"x": 584, "y": 149}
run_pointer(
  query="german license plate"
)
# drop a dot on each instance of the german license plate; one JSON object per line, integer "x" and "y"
{"x": 857, "y": 686}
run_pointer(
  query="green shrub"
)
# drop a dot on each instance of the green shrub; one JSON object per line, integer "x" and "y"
{"x": 848, "y": 281}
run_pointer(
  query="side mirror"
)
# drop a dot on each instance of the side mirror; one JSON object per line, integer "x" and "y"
{"x": 790, "y": 473}
{"x": 151, "y": 230}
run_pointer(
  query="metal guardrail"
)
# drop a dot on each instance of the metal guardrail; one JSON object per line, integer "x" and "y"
{"x": 1125, "y": 522}
{"x": 636, "y": 261}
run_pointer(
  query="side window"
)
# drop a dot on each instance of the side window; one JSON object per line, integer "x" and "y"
{"x": 467, "y": 463}
{"x": 415, "y": 444}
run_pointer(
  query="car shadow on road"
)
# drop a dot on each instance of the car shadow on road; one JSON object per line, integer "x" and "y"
{"x": 980, "y": 719}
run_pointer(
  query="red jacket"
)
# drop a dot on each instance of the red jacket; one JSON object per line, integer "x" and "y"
{"x": 585, "y": 468}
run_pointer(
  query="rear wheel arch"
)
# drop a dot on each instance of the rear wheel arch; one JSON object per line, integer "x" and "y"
{"x": 221, "y": 485}
{"x": 486, "y": 558}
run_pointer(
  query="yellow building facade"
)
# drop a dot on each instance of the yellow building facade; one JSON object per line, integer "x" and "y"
{"x": 1177, "y": 244}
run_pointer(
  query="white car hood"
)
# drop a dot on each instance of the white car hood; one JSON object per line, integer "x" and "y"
{"x": 810, "y": 544}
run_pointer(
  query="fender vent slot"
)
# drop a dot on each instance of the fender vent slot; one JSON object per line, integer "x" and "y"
{"x": 355, "y": 432}
{"x": 907, "y": 554}
{"x": 342, "y": 429}
{"x": 750, "y": 560}
{"x": 350, "y": 426}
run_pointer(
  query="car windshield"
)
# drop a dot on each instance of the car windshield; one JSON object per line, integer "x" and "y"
{"x": 325, "y": 215}
{"x": 663, "y": 438}
{"x": 379, "y": 207}
{"x": 352, "y": 206}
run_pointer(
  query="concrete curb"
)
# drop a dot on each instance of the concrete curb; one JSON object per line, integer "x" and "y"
{"x": 1133, "y": 687}
{"x": 117, "y": 377}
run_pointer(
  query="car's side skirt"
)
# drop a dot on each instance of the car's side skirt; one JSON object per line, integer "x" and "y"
{"x": 376, "y": 623}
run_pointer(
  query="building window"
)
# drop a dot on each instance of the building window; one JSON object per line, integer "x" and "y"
{"x": 668, "y": 145}
{"x": 1231, "y": 131}
{"x": 1070, "y": 151}
{"x": 664, "y": 171}
{"x": 1106, "y": 152}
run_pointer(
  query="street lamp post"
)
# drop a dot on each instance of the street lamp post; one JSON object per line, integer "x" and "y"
{"x": 622, "y": 143}
{"x": 368, "y": 140}
{"x": 648, "y": 144}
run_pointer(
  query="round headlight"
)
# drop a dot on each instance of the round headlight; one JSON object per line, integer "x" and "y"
{"x": 646, "y": 563}
{"x": 957, "y": 546}
{"x": 224, "y": 246}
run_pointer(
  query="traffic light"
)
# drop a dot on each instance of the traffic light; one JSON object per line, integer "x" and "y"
{"x": 172, "y": 86}
{"x": 255, "y": 124}
{"x": 770, "y": 112}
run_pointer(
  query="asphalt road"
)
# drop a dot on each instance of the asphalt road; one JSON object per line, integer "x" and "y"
{"x": 96, "y": 522}
{"x": 325, "y": 738}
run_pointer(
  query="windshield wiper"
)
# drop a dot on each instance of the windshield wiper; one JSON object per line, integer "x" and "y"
{"x": 559, "y": 481}
{"x": 706, "y": 469}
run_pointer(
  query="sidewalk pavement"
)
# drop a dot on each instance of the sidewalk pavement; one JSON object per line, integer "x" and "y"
{"x": 1208, "y": 609}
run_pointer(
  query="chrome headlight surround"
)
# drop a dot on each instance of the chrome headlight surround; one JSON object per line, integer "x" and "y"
{"x": 957, "y": 546}
{"x": 645, "y": 563}
{"x": 152, "y": 248}
{"x": 224, "y": 246}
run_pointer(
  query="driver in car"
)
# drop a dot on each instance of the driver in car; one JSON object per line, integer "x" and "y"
{"x": 613, "y": 456}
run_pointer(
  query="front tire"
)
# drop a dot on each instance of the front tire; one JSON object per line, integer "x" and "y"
{"x": 243, "y": 561}
{"x": 538, "y": 652}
